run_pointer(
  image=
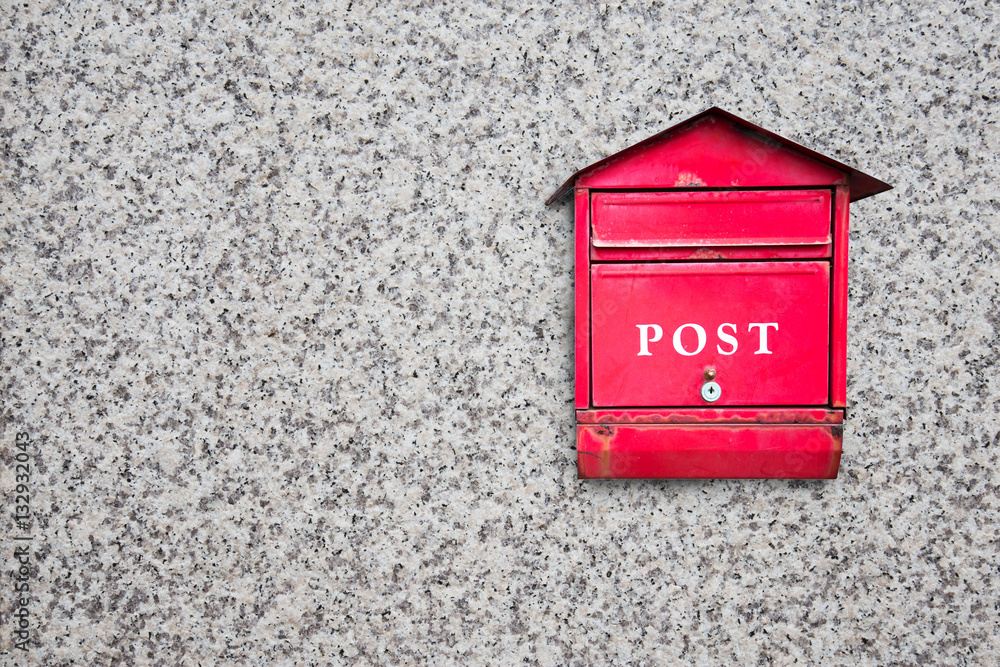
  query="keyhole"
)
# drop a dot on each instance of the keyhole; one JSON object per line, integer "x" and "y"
{"x": 711, "y": 391}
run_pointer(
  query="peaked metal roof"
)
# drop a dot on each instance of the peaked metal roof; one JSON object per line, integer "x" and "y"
{"x": 862, "y": 185}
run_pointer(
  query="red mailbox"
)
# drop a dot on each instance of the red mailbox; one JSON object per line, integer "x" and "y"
{"x": 711, "y": 299}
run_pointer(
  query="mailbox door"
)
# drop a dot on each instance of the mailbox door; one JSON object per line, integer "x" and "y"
{"x": 763, "y": 327}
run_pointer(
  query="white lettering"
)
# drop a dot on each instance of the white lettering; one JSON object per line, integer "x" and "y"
{"x": 645, "y": 340}
{"x": 727, "y": 338}
{"x": 677, "y": 339}
{"x": 763, "y": 335}
{"x": 726, "y": 334}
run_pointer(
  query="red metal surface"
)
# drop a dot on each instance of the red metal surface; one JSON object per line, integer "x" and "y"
{"x": 708, "y": 253}
{"x": 711, "y": 218}
{"x": 712, "y": 416}
{"x": 712, "y": 153}
{"x": 718, "y": 452}
{"x": 658, "y": 327}
{"x": 582, "y": 289}
{"x": 718, "y": 149}
{"x": 838, "y": 323}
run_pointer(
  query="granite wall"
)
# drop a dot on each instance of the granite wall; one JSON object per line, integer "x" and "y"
{"x": 289, "y": 330}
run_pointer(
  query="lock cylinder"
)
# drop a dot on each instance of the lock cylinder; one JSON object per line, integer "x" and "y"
{"x": 711, "y": 391}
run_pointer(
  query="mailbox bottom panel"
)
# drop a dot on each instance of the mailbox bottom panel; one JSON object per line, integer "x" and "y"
{"x": 783, "y": 451}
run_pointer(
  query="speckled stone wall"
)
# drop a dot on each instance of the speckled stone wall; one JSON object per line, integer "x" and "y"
{"x": 289, "y": 329}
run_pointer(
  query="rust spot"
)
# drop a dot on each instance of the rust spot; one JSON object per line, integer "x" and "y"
{"x": 604, "y": 434}
{"x": 686, "y": 179}
{"x": 706, "y": 253}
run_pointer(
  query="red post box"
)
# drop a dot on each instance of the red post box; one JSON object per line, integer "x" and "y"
{"x": 711, "y": 305}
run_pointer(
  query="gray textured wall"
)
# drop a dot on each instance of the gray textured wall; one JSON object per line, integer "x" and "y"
{"x": 290, "y": 329}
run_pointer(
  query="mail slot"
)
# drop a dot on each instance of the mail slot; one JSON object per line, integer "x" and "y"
{"x": 711, "y": 303}
{"x": 696, "y": 219}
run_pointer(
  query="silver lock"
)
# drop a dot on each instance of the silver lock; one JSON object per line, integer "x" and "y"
{"x": 711, "y": 391}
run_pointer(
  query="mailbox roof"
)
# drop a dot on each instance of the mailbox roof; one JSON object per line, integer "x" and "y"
{"x": 755, "y": 145}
